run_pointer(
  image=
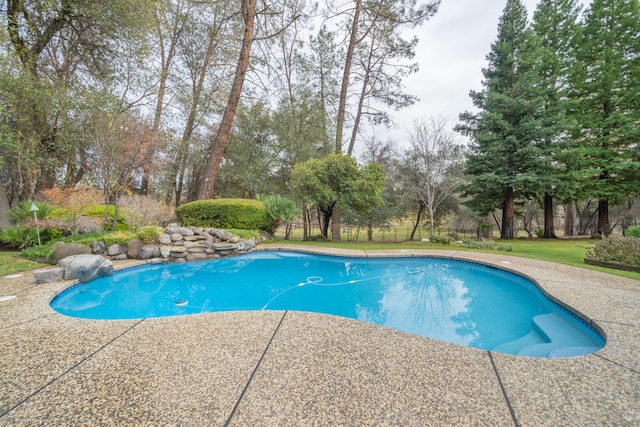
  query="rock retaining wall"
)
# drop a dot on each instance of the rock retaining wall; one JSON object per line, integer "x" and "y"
{"x": 178, "y": 244}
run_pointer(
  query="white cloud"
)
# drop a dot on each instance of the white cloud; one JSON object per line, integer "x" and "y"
{"x": 451, "y": 52}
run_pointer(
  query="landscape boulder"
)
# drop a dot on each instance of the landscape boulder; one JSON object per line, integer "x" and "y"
{"x": 134, "y": 247}
{"x": 68, "y": 250}
{"x": 82, "y": 225}
{"x": 85, "y": 267}
{"x": 48, "y": 275}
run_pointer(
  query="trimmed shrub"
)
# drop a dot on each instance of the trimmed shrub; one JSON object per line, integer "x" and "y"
{"x": 241, "y": 214}
{"x": 633, "y": 231}
{"x": 624, "y": 250}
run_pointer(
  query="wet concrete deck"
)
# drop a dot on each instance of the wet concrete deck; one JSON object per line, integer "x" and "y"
{"x": 285, "y": 368}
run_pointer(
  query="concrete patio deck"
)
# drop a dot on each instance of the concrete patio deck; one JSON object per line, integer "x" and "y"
{"x": 285, "y": 368}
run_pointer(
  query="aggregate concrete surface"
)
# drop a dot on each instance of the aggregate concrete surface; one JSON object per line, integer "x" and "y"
{"x": 286, "y": 368}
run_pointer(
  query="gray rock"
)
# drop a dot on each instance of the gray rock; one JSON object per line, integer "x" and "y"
{"x": 245, "y": 245}
{"x": 195, "y": 238}
{"x": 224, "y": 235}
{"x": 178, "y": 249}
{"x": 69, "y": 249}
{"x": 176, "y": 237}
{"x": 98, "y": 247}
{"x": 165, "y": 251}
{"x": 82, "y": 225}
{"x": 149, "y": 251}
{"x": 85, "y": 267}
{"x": 120, "y": 257}
{"x": 184, "y": 231}
{"x": 234, "y": 239}
{"x": 178, "y": 254}
{"x": 48, "y": 275}
{"x": 134, "y": 247}
{"x": 195, "y": 250}
{"x": 57, "y": 245}
{"x": 116, "y": 249}
{"x": 224, "y": 246}
{"x": 165, "y": 239}
{"x": 196, "y": 256}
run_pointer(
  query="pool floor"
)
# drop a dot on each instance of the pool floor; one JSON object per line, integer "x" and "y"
{"x": 292, "y": 368}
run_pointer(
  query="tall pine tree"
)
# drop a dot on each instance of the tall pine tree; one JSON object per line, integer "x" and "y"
{"x": 606, "y": 105}
{"x": 506, "y": 139}
{"x": 555, "y": 24}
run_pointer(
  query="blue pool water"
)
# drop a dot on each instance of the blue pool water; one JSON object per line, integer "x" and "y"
{"x": 456, "y": 301}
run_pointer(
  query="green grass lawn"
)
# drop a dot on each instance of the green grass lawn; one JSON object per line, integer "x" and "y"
{"x": 12, "y": 262}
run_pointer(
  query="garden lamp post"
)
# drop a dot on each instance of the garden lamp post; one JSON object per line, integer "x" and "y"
{"x": 35, "y": 209}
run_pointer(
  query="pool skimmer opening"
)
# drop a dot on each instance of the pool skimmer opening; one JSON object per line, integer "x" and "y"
{"x": 181, "y": 302}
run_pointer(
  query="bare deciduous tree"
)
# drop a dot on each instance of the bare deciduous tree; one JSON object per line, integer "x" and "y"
{"x": 432, "y": 167}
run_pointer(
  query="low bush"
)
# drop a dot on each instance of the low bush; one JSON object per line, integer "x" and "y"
{"x": 241, "y": 214}
{"x": 487, "y": 245}
{"x": 441, "y": 240}
{"x": 19, "y": 237}
{"x": 23, "y": 211}
{"x": 624, "y": 250}
{"x": 280, "y": 211}
{"x": 95, "y": 212}
{"x": 633, "y": 231}
{"x": 149, "y": 234}
{"x": 143, "y": 211}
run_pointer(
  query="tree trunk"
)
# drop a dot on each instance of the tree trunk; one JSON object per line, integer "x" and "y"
{"x": 549, "y": 230}
{"x": 569, "y": 218}
{"x": 335, "y": 225}
{"x": 363, "y": 94}
{"x": 306, "y": 222}
{"x": 603, "y": 218}
{"x": 5, "y": 207}
{"x": 508, "y": 215}
{"x": 417, "y": 223}
{"x": 210, "y": 174}
{"x": 342, "y": 107}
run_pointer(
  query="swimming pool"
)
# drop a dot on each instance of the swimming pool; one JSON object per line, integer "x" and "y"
{"x": 457, "y": 301}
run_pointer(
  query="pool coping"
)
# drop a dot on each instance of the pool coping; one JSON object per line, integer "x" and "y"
{"x": 291, "y": 368}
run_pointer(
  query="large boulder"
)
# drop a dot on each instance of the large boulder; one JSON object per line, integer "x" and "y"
{"x": 68, "y": 250}
{"x": 85, "y": 267}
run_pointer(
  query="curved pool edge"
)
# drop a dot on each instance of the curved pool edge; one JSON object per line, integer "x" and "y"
{"x": 426, "y": 381}
{"x": 453, "y": 255}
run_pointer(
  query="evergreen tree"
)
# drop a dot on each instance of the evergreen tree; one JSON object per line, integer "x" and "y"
{"x": 506, "y": 137}
{"x": 555, "y": 26}
{"x": 606, "y": 104}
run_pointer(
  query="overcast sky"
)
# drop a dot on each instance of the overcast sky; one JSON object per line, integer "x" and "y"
{"x": 451, "y": 52}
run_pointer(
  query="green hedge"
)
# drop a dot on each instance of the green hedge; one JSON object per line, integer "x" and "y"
{"x": 243, "y": 214}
